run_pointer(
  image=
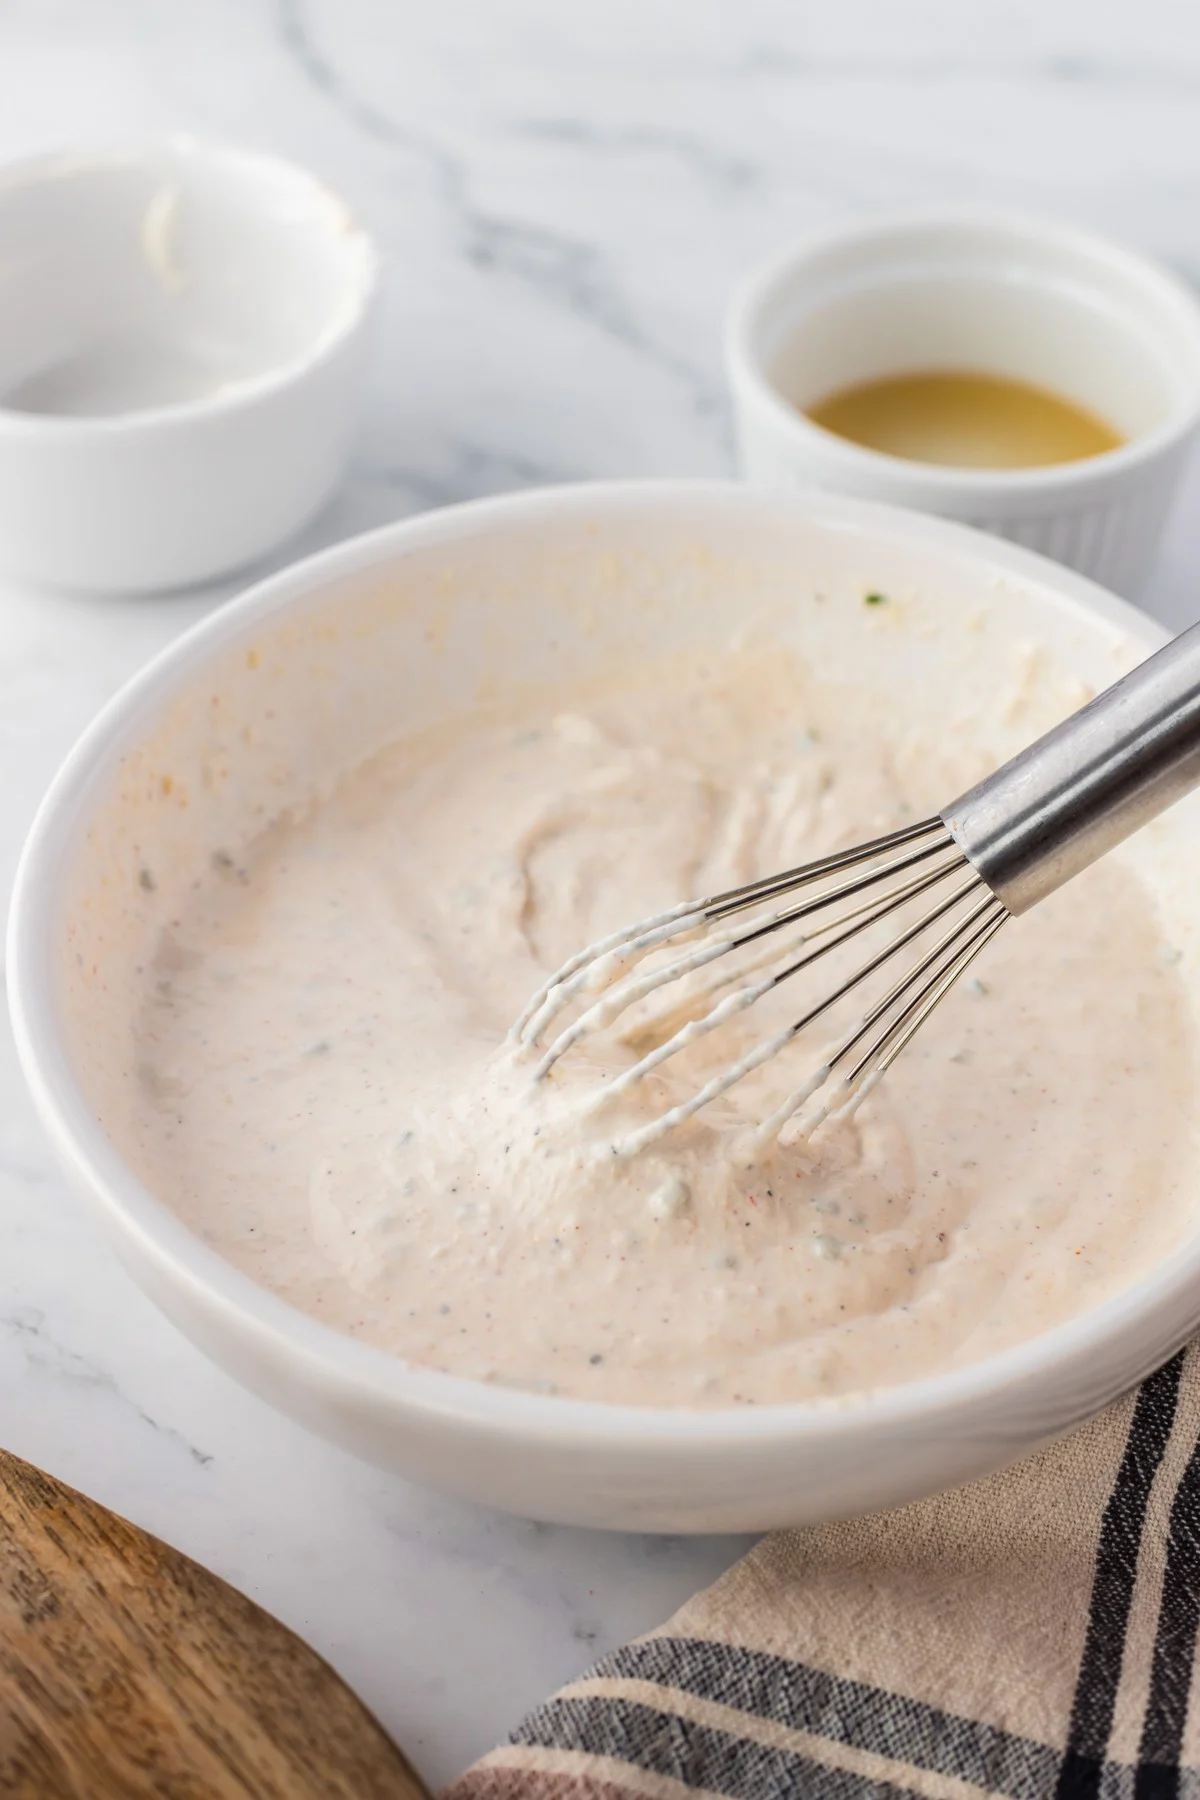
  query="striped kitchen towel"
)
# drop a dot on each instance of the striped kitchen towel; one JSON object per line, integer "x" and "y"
{"x": 1031, "y": 1636}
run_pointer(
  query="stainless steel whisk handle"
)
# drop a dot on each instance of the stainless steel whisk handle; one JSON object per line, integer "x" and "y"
{"x": 1085, "y": 786}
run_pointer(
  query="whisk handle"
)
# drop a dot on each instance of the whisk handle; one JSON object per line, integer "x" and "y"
{"x": 1085, "y": 786}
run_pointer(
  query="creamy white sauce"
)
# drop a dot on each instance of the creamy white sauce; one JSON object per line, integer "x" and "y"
{"x": 327, "y": 1095}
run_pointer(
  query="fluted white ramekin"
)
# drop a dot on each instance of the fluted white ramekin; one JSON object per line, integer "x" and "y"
{"x": 1000, "y": 293}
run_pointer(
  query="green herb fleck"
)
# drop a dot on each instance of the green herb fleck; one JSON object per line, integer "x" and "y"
{"x": 875, "y": 599}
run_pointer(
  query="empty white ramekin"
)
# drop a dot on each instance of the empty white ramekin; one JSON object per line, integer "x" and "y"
{"x": 310, "y": 671}
{"x": 1001, "y": 294}
{"x": 182, "y": 335}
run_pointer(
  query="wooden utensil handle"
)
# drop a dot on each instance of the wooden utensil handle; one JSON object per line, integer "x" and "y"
{"x": 127, "y": 1670}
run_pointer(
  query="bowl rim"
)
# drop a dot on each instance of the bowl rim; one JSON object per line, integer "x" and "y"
{"x": 362, "y": 264}
{"x": 333, "y": 1359}
{"x": 748, "y": 376}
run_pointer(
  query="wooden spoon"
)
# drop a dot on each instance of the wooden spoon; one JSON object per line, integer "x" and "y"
{"x": 127, "y": 1670}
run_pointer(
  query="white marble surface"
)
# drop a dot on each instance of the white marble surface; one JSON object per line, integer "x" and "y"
{"x": 565, "y": 193}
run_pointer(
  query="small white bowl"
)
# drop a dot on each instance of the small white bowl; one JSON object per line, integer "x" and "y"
{"x": 182, "y": 334}
{"x": 994, "y": 293}
{"x": 313, "y": 669}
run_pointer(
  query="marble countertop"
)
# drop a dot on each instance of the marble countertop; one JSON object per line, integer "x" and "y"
{"x": 565, "y": 195}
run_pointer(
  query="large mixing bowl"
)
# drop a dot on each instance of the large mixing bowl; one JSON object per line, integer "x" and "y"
{"x": 313, "y": 669}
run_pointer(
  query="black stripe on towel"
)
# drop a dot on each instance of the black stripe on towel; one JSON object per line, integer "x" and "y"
{"x": 1174, "y": 1646}
{"x": 845, "y": 1712}
{"x": 1113, "y": 1585}
{"x": 695, "y": 1755}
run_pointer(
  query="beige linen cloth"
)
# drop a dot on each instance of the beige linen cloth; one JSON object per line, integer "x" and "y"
{"x": 1030, "y": 1636}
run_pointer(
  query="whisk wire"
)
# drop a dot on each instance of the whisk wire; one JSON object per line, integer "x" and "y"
{"x": 878, "y": 878}
{"x": 873, "y": 1066}
{"x": 768, "y": 1047}
{"x": 935, "y": 991}
{"x": 848, "y": 889}
{"x": 854, "y": 1087}
{"x": 942, "y": 953}
{"x": 805, "y": 873}
{"x": 766, "y": 953}
{"x": 636, "y": 987}
{"x": 599, "y": 964}
{"x": 943, "y": 987}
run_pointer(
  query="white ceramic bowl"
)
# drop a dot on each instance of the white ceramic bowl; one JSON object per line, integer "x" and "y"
{"x": 1003, "y": 294}
{"x": 182, "y": 335}
{"x": 311, "y": 670}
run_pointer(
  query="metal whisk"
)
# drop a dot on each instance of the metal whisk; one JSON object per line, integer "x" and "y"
{"x": 988, "y": 856}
